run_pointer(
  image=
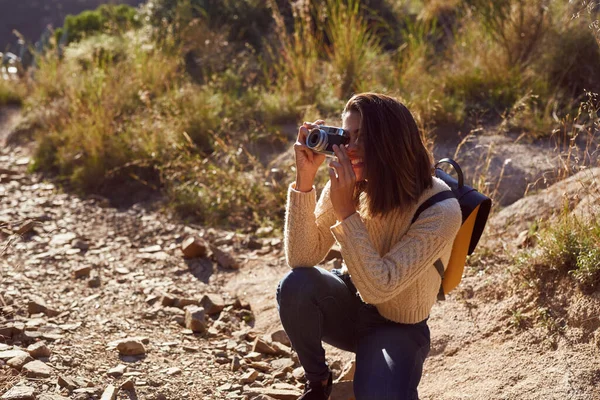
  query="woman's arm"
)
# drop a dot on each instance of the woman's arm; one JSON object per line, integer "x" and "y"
{"x": 307, "y": 232}
{"x": 379, "y": 279}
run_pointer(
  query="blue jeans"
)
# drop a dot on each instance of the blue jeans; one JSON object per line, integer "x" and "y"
{"x": 316, "y": 305}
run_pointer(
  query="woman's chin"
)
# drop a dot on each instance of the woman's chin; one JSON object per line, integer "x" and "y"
{"x": 358, "y": 172}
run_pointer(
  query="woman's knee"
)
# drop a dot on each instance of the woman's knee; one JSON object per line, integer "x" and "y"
{"x": 299, "y": 283}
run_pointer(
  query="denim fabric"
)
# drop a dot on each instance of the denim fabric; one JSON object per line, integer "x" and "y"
{"x": 317, "y": 306}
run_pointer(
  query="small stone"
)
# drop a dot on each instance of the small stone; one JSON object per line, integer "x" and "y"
{"x": 212, "y": 303}
{"x": 37, "y": 369}
{"x": 284, "y": 364}
{"x": 131, "y": 348}
{"x": 260, "y": 346}
{"x": 173, "y": 371}
{"x": 37, "y": 305}
{"x": 195, "y": 319}
{"x": 117, "y": 371}
{"x": 38, "y": 350}
{"x": 298, "y": 374}
{"x": 348, "y": 372}
{"x": 19, "y": 361}
{"x": 26, "y": 227}
{"x": 8, "y": 354}
{"x": 82, "y": 271}
{"x": 253, "y": 356}
{"x": 280, "y": 336}
{"x": 80, "y": 244}
{"x": 167, "y": 300}
{"x": 19, "y": 393}
{"x": 51, "y": 396}
{"x": 94, "y": 281}
{"x": 150, "y": 249}
{"x": 194, "y": 247}
{"x": 249, "y": 376}
{"x": 67, "y": 382}
{"x": 110, "y": 393}
{"x": 235, "y": 363}
{"x": 281, "y": 349}
{"x": 261, "y": 366}
{"x": 224, "y": 259}
{"x": 128, "y": 384}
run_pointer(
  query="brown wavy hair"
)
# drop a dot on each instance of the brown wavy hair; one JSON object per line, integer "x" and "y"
{"x": 398, "y": 166}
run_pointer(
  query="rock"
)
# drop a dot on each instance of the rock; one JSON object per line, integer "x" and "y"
{"x": 37, "y": 369}
{"x": 224, "y": 259}
{"x": 131, "y": 348}
{"x": 110, "y": 393}
{"x": 281, "y": 349}
{"x": 333, "y": 254}
{"x": 19, "y": 361}
{"x": 342, "y": 391}
{"x": 253, "y": 356}
{"x": 80, "y": 244}
{"x": 117, "y": 371}
{"x": 62, "y": 238}
{"x": 264, "y": 231}
{"x": 52, "y": 397}
{"x": 25, "y": 227}
{"x": 94, "y": 281}
{"x": 298, "y": 374}
{"x": 82, "y": 271}
{"x": 167, "y": 300}
{"x": 128, "y": 384}
{"x": 261, "y": 366}
{"x": 252, "y": 244}
{"x": 235, "y": 363}
{"x": 67, "y": 382}
{"x": 249, "y": 376}
{"x": 260, "y": 346}
{"x": 348, "y": 372}
{"x": 281, "y": 337}
{"x": 195, "y": 319}
{"x": 19, "y": 393}
{"x": 194, "y": 247}
{"x": 37, "y": 305}
{"x": 283, "y": 364}
{"x": 279, "y": 394}
{"x": 212, "y": 303}
{"x": 38, "y": 350}
{"x": 8, "y": 354}
{"x": 173, "y": 371}
{"x": 150, "y": 249}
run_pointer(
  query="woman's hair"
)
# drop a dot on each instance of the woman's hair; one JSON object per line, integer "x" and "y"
{"x": 398, "y": 166}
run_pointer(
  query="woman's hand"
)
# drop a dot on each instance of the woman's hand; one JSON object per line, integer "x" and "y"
{"x": 307, "y": 161}
{"x": 343, "y": 181}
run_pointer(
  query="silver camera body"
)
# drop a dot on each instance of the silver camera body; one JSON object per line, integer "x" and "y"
{"x": 322, "y": 139}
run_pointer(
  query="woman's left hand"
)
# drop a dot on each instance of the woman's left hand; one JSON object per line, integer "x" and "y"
{"x": 342, "y": 185}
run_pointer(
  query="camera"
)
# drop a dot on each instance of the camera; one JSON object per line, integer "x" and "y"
{"x": 322, "y": 139}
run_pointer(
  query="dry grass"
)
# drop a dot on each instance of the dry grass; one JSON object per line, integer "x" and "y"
{"x": 180, "y": 108}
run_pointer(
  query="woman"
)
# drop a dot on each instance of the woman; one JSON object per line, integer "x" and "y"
{"x": 377, "y": 305}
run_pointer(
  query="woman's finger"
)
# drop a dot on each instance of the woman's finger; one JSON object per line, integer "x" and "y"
{"x": 339, "y": 169}
{"x": 333, "y": 178}
{"x": 347, "y": 163}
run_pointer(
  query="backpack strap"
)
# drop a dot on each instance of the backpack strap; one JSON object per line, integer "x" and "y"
{"x": 436, "y": 198}
{"x": 439, "y": 266}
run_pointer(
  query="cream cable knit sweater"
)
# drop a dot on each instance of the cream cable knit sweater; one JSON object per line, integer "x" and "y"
{"x": 389, "y": 260}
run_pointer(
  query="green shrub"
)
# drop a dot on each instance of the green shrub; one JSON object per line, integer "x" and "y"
{"x": 11, "y": 92}
{"x": 569, "y": 247}
{"x": 107, "y": 18}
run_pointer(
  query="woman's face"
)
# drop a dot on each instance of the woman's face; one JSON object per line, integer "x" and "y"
{"x": 356, "y": 152}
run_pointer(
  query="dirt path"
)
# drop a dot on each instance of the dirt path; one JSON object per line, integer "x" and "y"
{"x": 77, "y": 275}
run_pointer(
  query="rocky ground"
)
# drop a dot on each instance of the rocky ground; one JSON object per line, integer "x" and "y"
{"x": 102, "y": 303}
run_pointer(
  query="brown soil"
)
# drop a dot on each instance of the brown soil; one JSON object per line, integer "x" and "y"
{"x": 481, "y": 349}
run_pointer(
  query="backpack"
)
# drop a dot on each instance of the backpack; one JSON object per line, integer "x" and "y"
{"x": 475, "y": 208}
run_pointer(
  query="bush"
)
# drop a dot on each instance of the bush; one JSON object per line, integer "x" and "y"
{"x": 107, "y": 18}
{"x": 570, "y": 247}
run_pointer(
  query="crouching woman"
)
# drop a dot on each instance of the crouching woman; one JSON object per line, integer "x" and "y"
{"x": 378, "y": 303}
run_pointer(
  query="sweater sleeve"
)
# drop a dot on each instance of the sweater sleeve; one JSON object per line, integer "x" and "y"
{"x": 307, "y": 234}
{"x": 381, "y": 278}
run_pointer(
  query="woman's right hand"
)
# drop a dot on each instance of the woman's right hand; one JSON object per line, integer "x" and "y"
{"x": 307, "y": 161}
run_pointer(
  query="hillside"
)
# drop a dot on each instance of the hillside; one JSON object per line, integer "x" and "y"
{"x": 31, "y": 18}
